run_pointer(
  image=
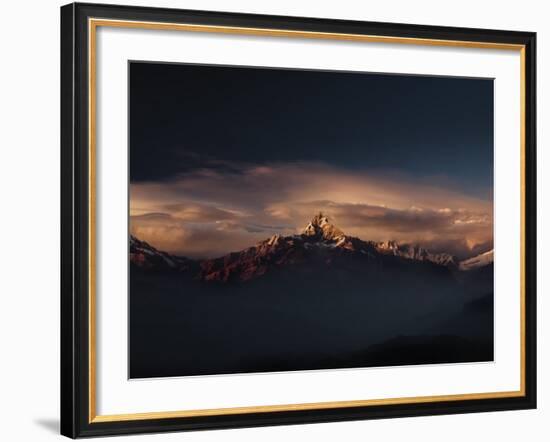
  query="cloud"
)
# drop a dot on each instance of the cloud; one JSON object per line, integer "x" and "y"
{"x": 199, "y": 213}
{"x": 199, "y": 231}
{"x": 192, "y": 239}
{"x": 210, "y": 211}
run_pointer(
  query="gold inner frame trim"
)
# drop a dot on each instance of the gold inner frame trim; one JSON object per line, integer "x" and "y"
{"x": 93, "y": 24}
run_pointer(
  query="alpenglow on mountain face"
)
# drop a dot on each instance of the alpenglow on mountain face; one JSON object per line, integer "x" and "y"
{"x": 477, "y": 261}
{"x": 320, "y": 228}
{"x": 321, "y": 245}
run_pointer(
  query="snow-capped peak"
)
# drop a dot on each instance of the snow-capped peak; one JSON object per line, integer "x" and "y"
{"x": 143, "y": 254}
{"x": 321, "y": 227}
{"x": 477, "y": 261}
{"x": 274, "y": 240}
{"x": 415, "y": 252}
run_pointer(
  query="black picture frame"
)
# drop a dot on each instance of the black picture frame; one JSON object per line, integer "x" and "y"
{"x": 76, "y": 418}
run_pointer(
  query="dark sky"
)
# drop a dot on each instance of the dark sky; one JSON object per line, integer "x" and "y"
{"x": 223, "y": 157}
{"x": 183, "y": 115}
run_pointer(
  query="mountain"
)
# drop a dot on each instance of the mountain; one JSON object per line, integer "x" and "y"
{"x": 320, "y": 245}
{"x": 478, "y": 261}
{"x": 416, "y": 252}
{"x": 145, "y": 256}
{"x": 316, "y": 299}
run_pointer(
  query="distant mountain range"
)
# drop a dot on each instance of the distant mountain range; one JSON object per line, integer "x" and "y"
{"x": 320, "y": 245}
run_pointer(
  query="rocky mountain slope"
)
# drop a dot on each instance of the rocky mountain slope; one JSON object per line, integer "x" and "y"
{"x": 145, "y": 256}
{"x": 478, "y": 261}
{"x": 319, "y": 245}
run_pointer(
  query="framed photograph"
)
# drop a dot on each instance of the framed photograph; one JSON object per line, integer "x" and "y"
{"x": 278, "y": 220}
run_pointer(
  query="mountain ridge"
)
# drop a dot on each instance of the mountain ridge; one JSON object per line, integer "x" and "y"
{"x": 320, "y": 243}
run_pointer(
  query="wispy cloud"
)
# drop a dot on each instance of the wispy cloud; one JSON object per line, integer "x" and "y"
{"x": 213, "y": 210}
